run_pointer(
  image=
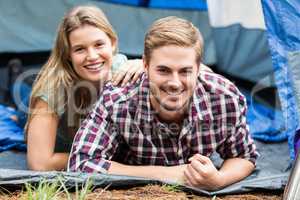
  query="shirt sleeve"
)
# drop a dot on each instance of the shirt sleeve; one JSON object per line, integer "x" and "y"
{"x": 118, "y": 61}
{"x": 95, "y": 142}
{"x": 239, "y": 142}
{"x": 56, "y": 104}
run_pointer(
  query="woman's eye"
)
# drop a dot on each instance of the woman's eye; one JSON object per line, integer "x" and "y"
{"x": 99, "y": 44}
{"x": 78, "y": 49}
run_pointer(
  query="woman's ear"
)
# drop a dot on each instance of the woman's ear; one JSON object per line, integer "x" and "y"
{"x": 114, "y": 44}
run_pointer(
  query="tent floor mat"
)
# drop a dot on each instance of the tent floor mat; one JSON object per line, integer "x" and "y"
{"x": 271, "y": 173}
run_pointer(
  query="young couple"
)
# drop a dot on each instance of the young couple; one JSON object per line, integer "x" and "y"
{"x": 164, "y": 125}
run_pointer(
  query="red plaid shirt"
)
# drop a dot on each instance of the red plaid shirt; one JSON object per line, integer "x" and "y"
{"x": 123, "y": 127}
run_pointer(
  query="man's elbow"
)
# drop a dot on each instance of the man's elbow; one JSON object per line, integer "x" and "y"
{"x": 249, "y": 166}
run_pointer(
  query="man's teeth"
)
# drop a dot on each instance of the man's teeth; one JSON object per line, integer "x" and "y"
{"x": 174, "y": 93}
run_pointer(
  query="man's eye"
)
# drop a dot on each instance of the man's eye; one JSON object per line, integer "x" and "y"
{"x": 163, "y": 70}
{"x": 186, "y": 72}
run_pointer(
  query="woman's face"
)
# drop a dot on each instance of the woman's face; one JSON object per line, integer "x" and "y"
{"x": 91, "y": 52}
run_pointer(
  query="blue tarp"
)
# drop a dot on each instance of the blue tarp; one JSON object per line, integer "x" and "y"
{"x": 11, "y": 135}
{"x": 270, "y": 174}
{"x": 282, "y": 20}
{"x": 265, "y": 122}
{"x": 167, "y": 4}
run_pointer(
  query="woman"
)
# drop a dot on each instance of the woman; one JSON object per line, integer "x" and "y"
{"x": 69, "y": 83}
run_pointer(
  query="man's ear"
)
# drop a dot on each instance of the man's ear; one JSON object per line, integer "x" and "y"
{"x": 145, "y": 64}
{"x": 204, "y": 68}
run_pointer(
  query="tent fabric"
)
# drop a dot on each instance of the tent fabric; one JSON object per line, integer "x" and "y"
{"x": 269, "y": 175}
{"x": 237, "y": 46}
{"x": 294, "y": 62}
{"x": 247, "y": 56}
{"x": 282, "y": 22}
{"x": 229, "y": 12}
{"x": 240, "y": 29}
{"x": 130, "y": 22}
{"x": 167, "y": 4}
{"x": 251, "y": 62}
{"x": 238, "y": 26}
{"x": 272, "y": 118}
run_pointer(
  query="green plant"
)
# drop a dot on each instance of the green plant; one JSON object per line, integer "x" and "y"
{"x": 171, "y": 188}
{"x": 54, "y": 190}
{"x": 44, "y": 191}
{"x": 85, "y": 190}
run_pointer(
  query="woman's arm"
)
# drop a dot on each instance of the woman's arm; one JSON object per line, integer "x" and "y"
{"x": 41, "y": 136}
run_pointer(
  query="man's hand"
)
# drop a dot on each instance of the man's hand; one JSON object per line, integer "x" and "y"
{"x": 201, "y": 173}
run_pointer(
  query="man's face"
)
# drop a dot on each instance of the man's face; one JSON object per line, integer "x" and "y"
{"x": 172, "y": 72}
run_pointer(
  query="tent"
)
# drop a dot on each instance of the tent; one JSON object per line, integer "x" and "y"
{"x": 254, "y": 43}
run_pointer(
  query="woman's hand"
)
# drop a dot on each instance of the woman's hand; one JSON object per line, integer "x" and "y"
{"x": 129, "y": 72}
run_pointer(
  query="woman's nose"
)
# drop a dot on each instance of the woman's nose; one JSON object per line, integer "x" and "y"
{"x": 92, "y": 54}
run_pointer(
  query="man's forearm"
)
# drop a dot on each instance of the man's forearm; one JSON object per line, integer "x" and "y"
{"x": 235, "y": 169}
{"x": 172, "y": 173}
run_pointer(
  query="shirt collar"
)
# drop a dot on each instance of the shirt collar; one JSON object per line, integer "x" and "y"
{"x": 144, "y": 110}
{"x": 200, "y": 105}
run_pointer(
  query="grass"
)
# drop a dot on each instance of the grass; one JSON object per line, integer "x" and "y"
{"x": 45, "y": 190}
{"x": 171, "y": 188}
{"x": 58, "y": 189}
{"x": 55, "y": 190}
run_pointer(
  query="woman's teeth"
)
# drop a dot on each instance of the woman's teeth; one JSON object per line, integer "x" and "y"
{"x": 95, "y": 66}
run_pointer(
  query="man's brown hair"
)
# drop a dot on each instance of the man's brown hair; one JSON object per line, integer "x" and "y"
{"x": 173, "y": 31}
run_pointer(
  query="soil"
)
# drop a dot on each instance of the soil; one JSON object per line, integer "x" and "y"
{"x": 154, "y": 192}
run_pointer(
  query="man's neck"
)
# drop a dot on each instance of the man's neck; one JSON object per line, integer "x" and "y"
{"x": 171, "y": 117}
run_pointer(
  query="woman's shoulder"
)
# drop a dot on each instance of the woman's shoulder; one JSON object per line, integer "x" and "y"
{"x": 56, "y": 104}
{"x": 118, "y": 60}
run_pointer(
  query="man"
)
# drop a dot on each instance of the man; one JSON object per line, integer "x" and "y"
{"x": 168, "y": 124}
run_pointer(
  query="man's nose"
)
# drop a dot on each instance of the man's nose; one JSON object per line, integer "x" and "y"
{"x": 175, "y": 82}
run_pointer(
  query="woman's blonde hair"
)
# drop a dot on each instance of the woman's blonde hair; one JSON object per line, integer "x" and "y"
{"x": 173, "y": 31}
{"x": 57, "y": 74}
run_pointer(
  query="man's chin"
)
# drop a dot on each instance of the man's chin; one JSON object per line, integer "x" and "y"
{"x": 172, "y": 108}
